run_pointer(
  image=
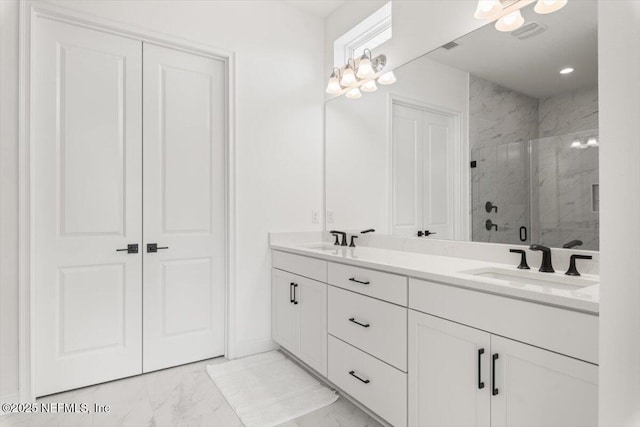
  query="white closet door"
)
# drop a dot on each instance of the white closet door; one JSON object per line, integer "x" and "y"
{"x": 86, "y": 133}
{"x": 184, "y": 207}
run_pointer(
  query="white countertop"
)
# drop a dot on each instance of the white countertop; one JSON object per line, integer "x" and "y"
{"x": 450, "y": 270}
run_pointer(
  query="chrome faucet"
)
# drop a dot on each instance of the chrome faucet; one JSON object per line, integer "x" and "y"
{"x": 546, "y": 266}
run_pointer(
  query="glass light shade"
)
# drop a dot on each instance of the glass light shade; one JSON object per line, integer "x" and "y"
{"x": 488, "y": 9}
{"x": 592, "y": 141}
{"x": 567, "y": 70}
{"x": 365, "y": 70}
{"x": 333, "y": 87}
{"x": 576, "y": 143}
{"x": 549, "y": 6}
{"x": 348, "y": 77}
{"x": 354, "y": 93}
{"x": 510, "y": 22}
{"x": 387, "y": 78}
{"x": 369, "y": 86}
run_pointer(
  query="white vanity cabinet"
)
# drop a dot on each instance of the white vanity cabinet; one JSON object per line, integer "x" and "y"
{"x": 299, "y": 312}
{"x": 459, "y": 375}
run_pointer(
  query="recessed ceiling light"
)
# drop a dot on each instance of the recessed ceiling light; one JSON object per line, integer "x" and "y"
{"x": 567, "y": 70}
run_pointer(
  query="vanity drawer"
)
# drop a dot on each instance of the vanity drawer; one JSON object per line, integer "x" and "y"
{"x": 381, "y": 329}
{"x": 381, "y": 388}
{"x": 301, "y": 265}
{"x": 385, "y": 286}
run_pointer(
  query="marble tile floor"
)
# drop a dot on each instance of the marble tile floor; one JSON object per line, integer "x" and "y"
{"x": 180, "y": 396}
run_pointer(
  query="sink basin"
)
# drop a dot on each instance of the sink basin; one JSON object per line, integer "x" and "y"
{"x": 533, "y": 279}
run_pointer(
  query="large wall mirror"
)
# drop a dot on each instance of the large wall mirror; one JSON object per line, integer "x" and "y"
{"x": 489, "y": 138}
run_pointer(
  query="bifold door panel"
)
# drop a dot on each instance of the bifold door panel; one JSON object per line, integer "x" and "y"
{"x": 90, "y": 236}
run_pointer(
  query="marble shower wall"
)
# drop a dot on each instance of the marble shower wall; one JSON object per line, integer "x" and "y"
{"x": 541, "y": 184}
{"x": 501, "y": 124}
{"x": 565, "y": 179}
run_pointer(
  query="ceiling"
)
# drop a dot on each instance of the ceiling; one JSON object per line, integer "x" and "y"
{"x": 532, "y": 66}
{"x": 321, "y": 8}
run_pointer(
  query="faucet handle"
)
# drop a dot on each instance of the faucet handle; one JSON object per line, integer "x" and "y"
{"x": 353, "y": 244}
{"x": 523, "y": 258}
{"x": 573, "y": 271}
{"x": 337, "y": 242}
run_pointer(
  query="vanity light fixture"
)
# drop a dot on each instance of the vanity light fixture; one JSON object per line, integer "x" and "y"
{"x": 369, "y": 86}
{"x": 588, "y": 142}
{"x": 576, "y": 143}
{"x": 333, "y": 87}
{"x": 359, "y": 76}
{"x": 387, "y": 78}
{"x": 507, "y": 12}
{"x": 348, "y": 76}
{"x": 567, "y": 70}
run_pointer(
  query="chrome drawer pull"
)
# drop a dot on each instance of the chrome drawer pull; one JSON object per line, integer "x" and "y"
{"x": 364, "y": 325}
{"x": 353, "y": 374}
{"x": 353, "y": 279}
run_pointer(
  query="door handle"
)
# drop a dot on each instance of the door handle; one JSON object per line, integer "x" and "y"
{"x": 131, "y": 249}
{"x": 480, "y": 382}
{"x": 493, "y": 374}
{"x": 153, "y": 247}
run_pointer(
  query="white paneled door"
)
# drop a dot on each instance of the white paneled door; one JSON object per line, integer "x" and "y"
{"x": 422, "y": 172}
{"x": 104, "y": 308}
{"x": 184, "y": 215}
{"x": 86, "y": 131}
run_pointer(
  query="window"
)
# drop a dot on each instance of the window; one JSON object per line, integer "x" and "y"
{"x": 370, "y": 33}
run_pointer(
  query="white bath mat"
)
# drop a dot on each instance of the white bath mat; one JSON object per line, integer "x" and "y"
{"x": 268, "y": 389}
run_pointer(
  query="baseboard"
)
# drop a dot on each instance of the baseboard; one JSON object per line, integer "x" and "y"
{"x": 9, "y": 398}
{"x": 248, "y": 348}
{"x": 334, "y": 387}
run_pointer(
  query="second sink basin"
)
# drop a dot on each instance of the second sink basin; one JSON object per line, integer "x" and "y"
{"x": 533, "y": 278}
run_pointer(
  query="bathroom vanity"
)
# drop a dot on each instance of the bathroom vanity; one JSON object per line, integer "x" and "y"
{"x": 427, "y": 340}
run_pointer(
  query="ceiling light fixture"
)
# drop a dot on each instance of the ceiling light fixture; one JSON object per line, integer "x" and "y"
{"x": 567, "y": 70}
{"x": 507, "y": 12}
{"x": 359, "y": 75}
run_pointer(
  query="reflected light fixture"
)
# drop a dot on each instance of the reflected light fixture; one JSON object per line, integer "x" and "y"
{"x": 507, "y": 12}
{"x": 359, "y": 76}
{"x": 354, "y": 93}
{"x": 592, "y": 141}
{"x": 369, "y": 86}
{"x": 576, "y": 143}
{"x": 488, "y": 9}
{"x": 549, "y": 6}
{"x": 567, "y": 70}
{"x": 510, "y": 22}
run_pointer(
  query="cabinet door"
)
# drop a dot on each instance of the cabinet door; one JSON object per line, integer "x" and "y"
{"x": 284, "y": 316}
{"x": 449, "y": 383}
{"x": 311, "y": 297}
{"x": 536, "y": 387}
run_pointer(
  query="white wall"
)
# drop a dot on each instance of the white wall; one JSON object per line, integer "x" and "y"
{"x": 619, "y": 92}
{"x": 8, "y": 201}
{"x": 279, "y": 138}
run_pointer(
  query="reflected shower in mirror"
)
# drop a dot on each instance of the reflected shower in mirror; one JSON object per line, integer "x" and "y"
{"x": 489, "y": 138}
